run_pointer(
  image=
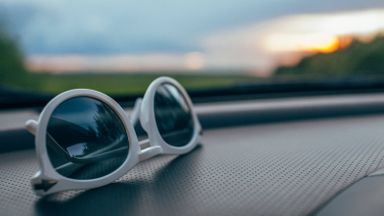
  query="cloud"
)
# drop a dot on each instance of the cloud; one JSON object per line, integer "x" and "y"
{"x": 218, "y": 35}
{"x": 137, "y": 27}
{"x": 116, "y": 63}
{"x": 257, "y": 47}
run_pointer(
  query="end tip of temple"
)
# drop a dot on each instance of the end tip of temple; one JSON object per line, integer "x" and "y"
{"x": 31, "y": 126}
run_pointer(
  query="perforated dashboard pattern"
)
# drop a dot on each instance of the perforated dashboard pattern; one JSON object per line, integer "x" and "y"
{"x": 276, "y": 169}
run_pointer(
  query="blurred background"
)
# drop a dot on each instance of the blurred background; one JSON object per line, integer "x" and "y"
{"x": 118, "y": 47}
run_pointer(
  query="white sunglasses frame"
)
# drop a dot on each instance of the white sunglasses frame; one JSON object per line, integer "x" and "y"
{"x": 47, "y": 180}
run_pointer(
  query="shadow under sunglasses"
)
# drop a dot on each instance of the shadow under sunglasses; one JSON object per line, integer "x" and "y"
{"x": 149, "y": 196}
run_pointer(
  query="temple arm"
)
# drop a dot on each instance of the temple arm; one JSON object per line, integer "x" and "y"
{"x": 135, "y": 114}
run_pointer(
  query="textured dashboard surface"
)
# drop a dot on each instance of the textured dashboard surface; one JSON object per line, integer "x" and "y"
{"x": 290, "y": 168}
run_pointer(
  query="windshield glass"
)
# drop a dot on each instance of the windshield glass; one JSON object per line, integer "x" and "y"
{"x": 118, "y": 47}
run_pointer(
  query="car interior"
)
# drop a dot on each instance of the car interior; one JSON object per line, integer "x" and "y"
{"x": 191, "y": 108}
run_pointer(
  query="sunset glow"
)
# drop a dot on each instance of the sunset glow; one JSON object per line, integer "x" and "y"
{"x": 329, "y": 45}
{"x": 323, "y": 33}
{"x": 320, "y": 43}
{"x": 301, "y": 43}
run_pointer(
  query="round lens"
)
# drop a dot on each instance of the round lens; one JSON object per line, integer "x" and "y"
{"x": 173, "y": 116}
{"x": 86, "y": 139}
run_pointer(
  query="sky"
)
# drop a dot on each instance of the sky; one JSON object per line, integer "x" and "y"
{"x": 131, "y": 35}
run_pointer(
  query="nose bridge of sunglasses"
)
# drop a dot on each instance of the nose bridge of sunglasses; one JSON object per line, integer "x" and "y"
{"x": 149, "y": 152}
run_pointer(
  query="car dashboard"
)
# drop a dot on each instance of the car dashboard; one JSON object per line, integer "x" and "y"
{"x": 320, "y": 155}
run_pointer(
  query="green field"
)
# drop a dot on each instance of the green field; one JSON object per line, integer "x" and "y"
{"x": 122, "y": 84}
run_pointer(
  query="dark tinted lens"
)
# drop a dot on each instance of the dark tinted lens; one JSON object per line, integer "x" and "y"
{"x": 173, "y": 116}
{"x": 86, "y": 139}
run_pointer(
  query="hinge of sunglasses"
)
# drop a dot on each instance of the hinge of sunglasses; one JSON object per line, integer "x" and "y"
{"x": 31, "y": 126}
{"x": 41, "y": 185}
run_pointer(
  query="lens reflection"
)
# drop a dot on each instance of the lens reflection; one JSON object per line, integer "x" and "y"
{"x": 86, "y": 139}
{"x": 173, "y": 116}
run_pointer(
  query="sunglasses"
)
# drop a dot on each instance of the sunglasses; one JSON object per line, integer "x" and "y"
{"x": 84, "y": 139}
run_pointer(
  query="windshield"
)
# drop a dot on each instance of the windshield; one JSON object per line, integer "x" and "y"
{"x": 118, "y": 47}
